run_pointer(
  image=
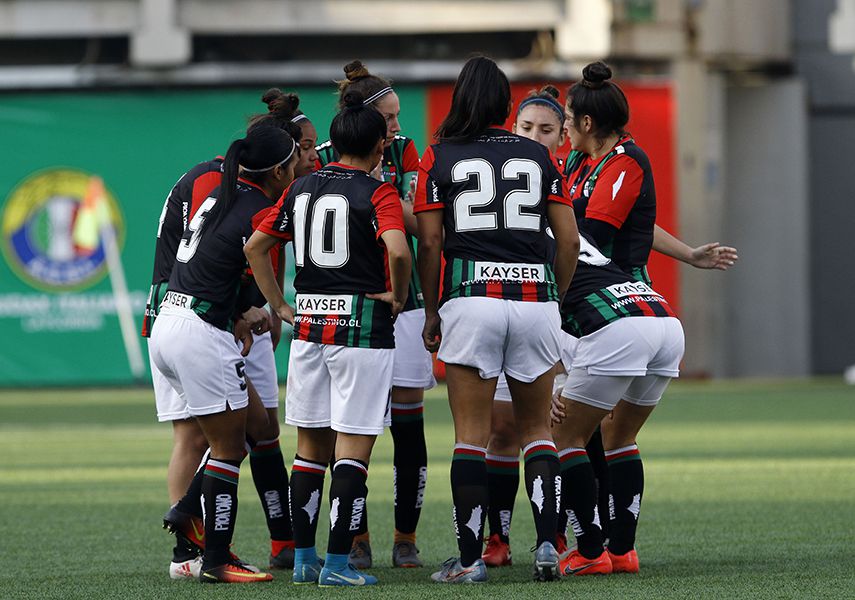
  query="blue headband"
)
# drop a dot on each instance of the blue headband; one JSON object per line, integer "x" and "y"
{"x": 550, "y": 102}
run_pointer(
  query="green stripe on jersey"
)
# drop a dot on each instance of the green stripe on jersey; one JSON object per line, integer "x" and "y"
{"x": 602, "y": 307}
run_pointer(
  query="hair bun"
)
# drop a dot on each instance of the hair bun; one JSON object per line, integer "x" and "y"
{"x": 352, "y": 99}
{"x": 595, "y": 74}
{"x": 278, "y": 101}
{"x": 551, "y": 90}
{"x": 355, "y": 70}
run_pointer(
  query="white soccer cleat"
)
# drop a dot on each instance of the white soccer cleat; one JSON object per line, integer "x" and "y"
{"x": 188, "y": 569}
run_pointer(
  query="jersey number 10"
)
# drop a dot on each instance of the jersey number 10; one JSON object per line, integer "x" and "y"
{"x": 326, "y": 239}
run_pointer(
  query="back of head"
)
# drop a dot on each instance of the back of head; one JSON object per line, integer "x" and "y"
{"x": 282, "y": 112}
{"x": 357, "y": 128}
{"x": 359, "y": 81}
{"x": 481, "y": 98}
{"x": 599, "y": 98}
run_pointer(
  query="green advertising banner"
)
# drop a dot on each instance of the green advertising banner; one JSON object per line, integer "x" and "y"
{"x": 67, "y": 259}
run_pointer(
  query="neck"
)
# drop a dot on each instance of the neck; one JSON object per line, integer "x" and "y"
{"x": 269, "y": 188}
{"x": 604, "y": 146}
{"x": 363, "y": 163}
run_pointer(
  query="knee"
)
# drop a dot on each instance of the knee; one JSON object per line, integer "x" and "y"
{"x": 271, "y": 432}
{"x": 504, "y": 438}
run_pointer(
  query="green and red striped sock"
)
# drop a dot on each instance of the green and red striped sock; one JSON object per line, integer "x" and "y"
{"x": 271, "y": 482}
{"x": 220, "y": 503}
{"x": 469, "y": 494}
{"x": 579, "y": 498}
{"x": 626, "y": 476}
{"x": 541, "y": 474}
{"x": 503, "y": 481}
{"x": 409, "y": 463}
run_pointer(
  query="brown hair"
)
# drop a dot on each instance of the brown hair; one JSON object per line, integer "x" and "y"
{"x": 359, "y": 80}
{"x": 547, "y": 95}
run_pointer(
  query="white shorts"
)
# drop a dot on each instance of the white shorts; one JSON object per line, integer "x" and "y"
{"x": 568, "y": 347}
{"x": 345, "y": 388}
{"x": 169, "y": 405}
{"x": 523, "y": 339}
{"x": 200, "y": 362}
{"x": 632, "y": 359}
{"x": 261, "y": 369}
{"x": 413, "y": 364}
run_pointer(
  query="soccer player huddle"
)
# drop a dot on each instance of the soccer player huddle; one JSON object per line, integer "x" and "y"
{"x": 526, "y": 276}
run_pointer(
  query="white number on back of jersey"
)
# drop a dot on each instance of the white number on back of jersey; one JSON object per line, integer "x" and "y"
{"x": 187, "y": 247}
{"x": 590, "y": 255}
{"x": 485, "y": 192}
{"x": 330, "y": 209}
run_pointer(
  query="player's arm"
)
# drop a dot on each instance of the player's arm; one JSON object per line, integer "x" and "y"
{"x": 563, "y": 223}
{"x": 275, "y": 319}
{"x": 707, "y": 256}
{"x": 390, "y": 230}
{"x": 257, "y": 251}
{"x": 429, "y": 208}
{"x": 410, "y": 222}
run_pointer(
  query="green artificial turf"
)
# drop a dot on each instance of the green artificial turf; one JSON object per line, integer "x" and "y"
{"x": 750, "y": 494}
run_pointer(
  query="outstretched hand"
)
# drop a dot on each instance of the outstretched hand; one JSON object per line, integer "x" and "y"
{"x": 713, "y": 256}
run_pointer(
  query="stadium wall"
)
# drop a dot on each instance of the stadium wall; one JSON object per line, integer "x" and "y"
{"x": 58, "y": 316}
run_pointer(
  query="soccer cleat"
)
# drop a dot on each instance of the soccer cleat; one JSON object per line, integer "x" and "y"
{"x": 284, "y": 559}
{"x": 406, "y": 556}
{"x": 306, "y": 573}
{"x": 186, "y": 569}
{"x": 453, "y": 571}
{"x": 232, "y": 573}
{"x": 360, "y": 555}
{"x": 191, "y": 527}
{"x": 243, "y": 564}
{"x": 576, "y": 564}
{"x": 546, "y": 563}
{"x": 624, "y": 563}
{"x": 497, "y": 553}
{"x": 561, "y": 544}
{"x": 348, "y": 576}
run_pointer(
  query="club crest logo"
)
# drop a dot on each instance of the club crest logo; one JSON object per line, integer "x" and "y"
{"x": 51, "y": 226}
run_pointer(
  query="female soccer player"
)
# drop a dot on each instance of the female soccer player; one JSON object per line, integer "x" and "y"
{"x": 413, "y": 365}
{"x": 482, "y": 199}
{"x": 192, "y": 344}
{"x": 540, "y": 117}
{"x": 630, "y": 346}
{"x": 269, "y": 473}
{"x": 348, "y": 233}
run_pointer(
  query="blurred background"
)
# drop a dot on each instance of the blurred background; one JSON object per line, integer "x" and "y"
{"x": 746, "y": 110}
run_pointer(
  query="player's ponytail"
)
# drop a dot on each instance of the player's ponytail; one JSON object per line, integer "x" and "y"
{"x": 481, "y": 99}
{"x": 599, "y": 98}
{"x": 263, "y": 149}
{"x": 357, "y": 128}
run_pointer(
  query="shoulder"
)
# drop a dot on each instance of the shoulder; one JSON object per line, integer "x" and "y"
{"x": 631, "y": 152}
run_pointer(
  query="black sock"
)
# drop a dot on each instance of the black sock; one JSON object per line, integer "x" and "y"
{"x": 410, "y": 464}
{"x": 597, "y": 456}
{"x": 469, "y": 494}
{"x": 307, "y": 490}
{"x": 220, "y": 499}
{"x": 503, "y": 481}
{"x": 271, "y": 482}
{"x": 347, "y": 503}
{"x": 191, "y": 502}
{"x": 541, "y": 473}
{"x": 627, "y": 477}
{"x": 580, "y": 501}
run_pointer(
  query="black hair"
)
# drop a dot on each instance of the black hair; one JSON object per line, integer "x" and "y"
{"x": 282, "y": 109}
{"x": 357, "y": 80}
{"x": 481, "y": 98}
{"x": 601, "y": 99}
{"x": 545, "y": 96}
{"x": 357, "y": 128}
{"x": 264, "y": 148}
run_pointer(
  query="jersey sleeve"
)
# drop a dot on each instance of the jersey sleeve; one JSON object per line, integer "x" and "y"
{"x": 277, "y": 221}
{"x": 410, "y": 158}
{"x": 387, "y": 208}
{"x": 557, "y": 186}
{"x": 427, "y": 189}
{"x": 616, "y": 191}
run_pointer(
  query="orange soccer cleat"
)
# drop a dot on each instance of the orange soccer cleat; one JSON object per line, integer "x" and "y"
{"x": 232, "y": 572}
{"x": 497, "y": 553}
{"x": 624, "y": 563}
{"x": 576, "y": 564}
{"x": 561, "y": 544}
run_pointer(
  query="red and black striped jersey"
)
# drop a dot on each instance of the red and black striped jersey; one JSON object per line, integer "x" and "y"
{"x": 602, "y": 293}
{"x": 616, "y": 189}
{"x": 181, "y": 204}
{"x": 494, "y": 192}
{"x": 210, "y": 266}
{"x": 335, "y": 217}
{"x": 400, "y": 159}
